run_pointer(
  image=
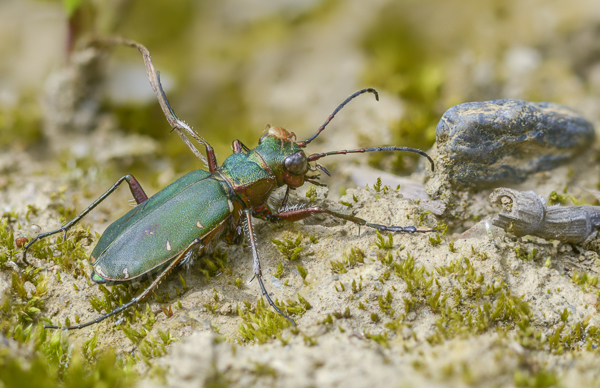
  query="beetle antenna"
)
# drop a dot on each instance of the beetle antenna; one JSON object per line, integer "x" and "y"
{"x": 331, "y": 116}
{"x": 314, "y": 157}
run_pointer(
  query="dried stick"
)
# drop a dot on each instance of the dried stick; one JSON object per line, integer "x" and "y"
{"x": 525, "y": 213}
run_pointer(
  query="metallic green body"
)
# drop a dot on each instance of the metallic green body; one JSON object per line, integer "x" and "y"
{"x": 160, "y": 228}
{"x": 199, "y": 205}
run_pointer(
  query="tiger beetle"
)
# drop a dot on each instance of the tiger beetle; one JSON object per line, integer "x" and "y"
{"x": 184, "y": 219}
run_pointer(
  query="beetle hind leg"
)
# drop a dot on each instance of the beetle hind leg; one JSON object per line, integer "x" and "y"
{"x": 141, "y": 296}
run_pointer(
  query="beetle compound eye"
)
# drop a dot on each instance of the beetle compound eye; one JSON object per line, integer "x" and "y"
{"x": 297, "y": 163}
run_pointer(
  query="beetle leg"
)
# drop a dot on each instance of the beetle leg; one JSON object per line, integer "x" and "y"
{"x": 136, "y": 190}
{"x": 212, "y": 163}
{"x": 138, "y": 298}
{"x": 257, "y": 270}
{"x": 178, "y": 126}
{"x": 300, "y": 214}
{"x": 238, "y": 147}
{"x": 285, "y": 197}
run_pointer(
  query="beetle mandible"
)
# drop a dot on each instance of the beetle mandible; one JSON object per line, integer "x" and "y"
{"x": 182, "y": 220}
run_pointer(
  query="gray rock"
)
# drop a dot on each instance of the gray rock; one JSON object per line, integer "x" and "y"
{"x": 482, "y": 144}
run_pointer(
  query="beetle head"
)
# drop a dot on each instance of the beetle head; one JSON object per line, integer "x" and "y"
{"x": 286, "y": 159}
{"x": 284, "y": 156}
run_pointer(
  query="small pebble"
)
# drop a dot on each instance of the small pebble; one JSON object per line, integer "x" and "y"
{"x": 225, "y": 309}
{"x": 21, "y": 241}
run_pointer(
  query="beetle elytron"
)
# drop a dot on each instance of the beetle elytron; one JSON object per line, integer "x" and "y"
{"x": 181, "y": 220}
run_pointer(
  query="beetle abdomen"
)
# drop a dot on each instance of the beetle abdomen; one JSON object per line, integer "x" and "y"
{"x": 142, "y": 241}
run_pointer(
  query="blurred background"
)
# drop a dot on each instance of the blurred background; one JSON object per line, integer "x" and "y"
{"x": 231, "y": 67}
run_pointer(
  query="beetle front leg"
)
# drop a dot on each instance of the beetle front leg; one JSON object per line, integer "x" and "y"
{"x": 256, "y": 266}
{"x": 136, "y": 190}
{"x": 300, "y": 214}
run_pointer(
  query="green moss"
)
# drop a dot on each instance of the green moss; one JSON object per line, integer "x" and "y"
{"x": 541, "y": 379}
{"x": 346, "y": 314}
{"x": 309, "y": 341}
{"x": 117, "y": 296}
{"x": 7, "y": 242}
{"x": 263, "y": 370}
{"x": 279, "y": 272}
{"x": 311, "y": 193}
{"x": 214, "y": 264}
{"x": 292, "y": 307}
{"x": 439, "y": 236}
{"x": 341, "y": 289}
{"x": 302, "y": 271}
{"x": 239, "y": 282}
{"x": 385, "y": 304}
{"x": 25, "y": 305}
{"x": 53, "y": 361}
{"x": 382, "y": 243}
{"x": 289, "y": 248}
{"x": 155, "y": 347}
{"x": 381, "y": 339}
{"x": 561, "y": 199}
{"x": 356, "y": 288}
{"x": 585, "y": 280}
{"x": 349, "y": 260}
{"x": 524, "y": 255}
{"x": 347, "y": 204}
{"x": 451, "y": 247}
{"x": 261, "y": 324}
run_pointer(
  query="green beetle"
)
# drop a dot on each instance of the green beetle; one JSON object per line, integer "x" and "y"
{"x": 184, "y": 219}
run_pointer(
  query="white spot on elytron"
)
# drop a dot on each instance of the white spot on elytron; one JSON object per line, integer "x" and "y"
{"x": 230, "y": 205}
{"x": 99, "y": 271}
{"x": 199, "y": 224}
{"x": 169, "y": 248}
{"x": 125, "y": 273}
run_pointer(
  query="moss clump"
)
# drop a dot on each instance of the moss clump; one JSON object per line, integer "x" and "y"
{"x": 261, "y": 324}
{"x": 289, "y": 248}
{"x": 50, "y": 361}
{"x": 349, "y": 260}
